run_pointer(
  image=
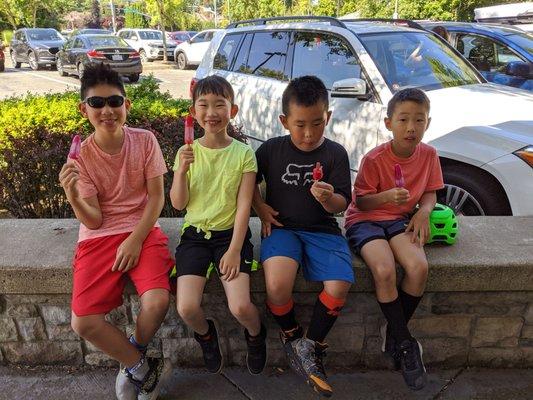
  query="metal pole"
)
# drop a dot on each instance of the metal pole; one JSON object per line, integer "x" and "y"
{"x": 215, "y": 1}
{"x": 113, "y": 16}
{"x": 395, "y": 15}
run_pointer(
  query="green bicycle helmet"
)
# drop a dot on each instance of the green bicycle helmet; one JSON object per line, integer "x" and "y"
{"x": 443, "y": 225}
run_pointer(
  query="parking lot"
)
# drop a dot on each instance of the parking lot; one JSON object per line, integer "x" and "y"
{"x": 16, "y": 82}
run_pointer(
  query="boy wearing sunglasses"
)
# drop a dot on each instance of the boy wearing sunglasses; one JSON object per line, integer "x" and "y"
{"x": 115, "y": 187}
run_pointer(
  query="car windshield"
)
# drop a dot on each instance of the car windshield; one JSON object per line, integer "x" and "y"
{"x": 412, "y": 59}
{"x": 95, "y": 31}
{"x": 523, "y": 40}
{"x": 45, "y": 34}
{"x": 106, "y": 41}
{"x": 150, "y": 35}
{"x": 180, "y": 36}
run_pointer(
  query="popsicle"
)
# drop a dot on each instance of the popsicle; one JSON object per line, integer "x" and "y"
{"x": 398, "y": 176}
{"x": 75, "y": 147}
{"x": 318, "y": 173}
{"x": 189, "y": 130}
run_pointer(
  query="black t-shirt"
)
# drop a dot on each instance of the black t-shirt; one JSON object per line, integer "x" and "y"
{"x": 288, "y": 173}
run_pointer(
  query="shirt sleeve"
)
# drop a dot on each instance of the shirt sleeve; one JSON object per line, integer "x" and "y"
{"x": 367, "y": 180}
{"x": 154, "y": 164}
{"x": 435, "y": 181}
{"x": 340, "y": 176}
{"x": 261, "y": 155}
{"x": 86, "y": 186}
{"x": 250, "y": 163}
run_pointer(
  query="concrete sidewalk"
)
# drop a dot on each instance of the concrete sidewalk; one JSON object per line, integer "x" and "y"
{"x": 238, "y": 384}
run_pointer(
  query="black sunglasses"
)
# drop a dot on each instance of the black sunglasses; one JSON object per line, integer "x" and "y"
{"x": 100, "y": 102}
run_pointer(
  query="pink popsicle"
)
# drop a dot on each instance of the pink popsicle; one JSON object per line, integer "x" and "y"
{"x": 75, "y": 147}
{"x": 189, "y": 130}
{"x": 398, "y": 176}
{"x": 318, "y": 173}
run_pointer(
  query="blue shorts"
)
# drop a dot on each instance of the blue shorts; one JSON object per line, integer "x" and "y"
{"x": 323, "y": 256}
{"x": 361, "y": 233}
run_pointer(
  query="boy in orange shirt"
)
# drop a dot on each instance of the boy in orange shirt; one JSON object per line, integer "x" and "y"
{"x": 379, "y": 227}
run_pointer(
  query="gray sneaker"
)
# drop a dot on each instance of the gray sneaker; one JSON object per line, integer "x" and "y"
{"x": 309, "y": 356}
{"x": 125, "y": 389}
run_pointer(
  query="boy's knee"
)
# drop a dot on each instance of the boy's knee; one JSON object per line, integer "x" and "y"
{"x": 385, "y": 274}
{"x": 278, "y": 291}
{"x": 157, "y": 304}
{"x": 188, "y": 311}
{"x": 241, "y": 310}
{"x": 82, "y": 326}
{"x": 417, "y": 268}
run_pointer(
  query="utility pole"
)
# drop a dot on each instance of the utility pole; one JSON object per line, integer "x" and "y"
{"x": 395, "y": 15}
{"x": 215, "y": 1}
{"x": 114, "y": 22}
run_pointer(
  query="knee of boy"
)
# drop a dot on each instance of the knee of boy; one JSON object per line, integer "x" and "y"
{"x": 188, "y": 311}
{"x": 241, "y": 310}
{"x": 157, "y": 304}
{"x": 385, "y": 274}
{"x": 82, "y": 327}
{"x": 417, "y": 268}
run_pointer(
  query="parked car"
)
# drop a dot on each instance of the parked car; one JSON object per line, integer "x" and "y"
{"x": 517, "y": 14}
{"x": 502, "y": 53}
{"x": 2, "y": 58}
{"x": 148, "y": 42}
{"x": 91, "y": 31}
{"x": 181, "y": 36}
{"x": 35, "y": 46}
{"x": 192, "y": 51}
{"x": 483, "y": 132}
{"x": 82, "y": 50}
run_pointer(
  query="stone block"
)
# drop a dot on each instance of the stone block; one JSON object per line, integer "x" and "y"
{"x": 31, "y": 329}
{"x": 497, "y": 303}
{"x": 445, "y": 352}
{"x": 118, "y": 316}
{"x": 372, "y": 357}
{"x": 441, "y": 326}
{"x": 496, "y": 331}
{"x": 346, "y": 338}
{"x": 183, "y": 352}
{"x": 21, "y": 310}
{"x": 8, "y": 330}
{"x": 43, "y": 353}
{"x": 526, "y": 338}
{"x": 171, "y": 332}
{"x": 100, "y": 359}
{"x": 56, "y": 314}
{"x": 56, "y": 299}
{"x": 61, "y": 332}
{"x": 529, "y": 314}
{"x": 491, "y": 357}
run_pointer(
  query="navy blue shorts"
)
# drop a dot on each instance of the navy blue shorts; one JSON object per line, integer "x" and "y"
{"x": 361, "y": 233}
{"x": 323, "y": 256}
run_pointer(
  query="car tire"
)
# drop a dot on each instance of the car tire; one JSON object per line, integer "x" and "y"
{"x": 144, "y": 56}
{"x": 14, "y": 61}
{"x": 81, "y": 70}
{"x": 32, "y": 60}
{"x": 181, "y": 60}
{"x": 470, "y": 191}
{"x": 134, "y": 78}
{"x": 59, "y": 66}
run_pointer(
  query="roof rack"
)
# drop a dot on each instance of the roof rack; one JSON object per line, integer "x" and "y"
{"x": 408, "y": 22}
{"x": 263, "y": 21}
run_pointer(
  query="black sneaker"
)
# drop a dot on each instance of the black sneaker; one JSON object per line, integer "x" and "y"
{"x": 287, "y": 338}
{"x": 211, "y": 348}
{"x": 257, "y": 352}
{"x": 309, "y": 355}
{"x": 388, "y": 345}
{"x": 413, "y": 369}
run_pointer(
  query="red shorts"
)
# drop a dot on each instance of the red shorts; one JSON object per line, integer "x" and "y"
{"x": 98, "y": 290}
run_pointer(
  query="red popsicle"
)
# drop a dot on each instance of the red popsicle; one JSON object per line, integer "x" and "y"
{"x": 398, "y": 176}
{"x": 189, "y": 130}
{"x": 318, "y": 173}
{"x": 75, "y": 147}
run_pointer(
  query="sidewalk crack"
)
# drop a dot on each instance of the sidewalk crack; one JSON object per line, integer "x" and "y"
{"x": 447, "y": 385}
{"x": 236, "y": 386}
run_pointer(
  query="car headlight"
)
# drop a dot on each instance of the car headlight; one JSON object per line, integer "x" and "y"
{"x": 526, "y": 154}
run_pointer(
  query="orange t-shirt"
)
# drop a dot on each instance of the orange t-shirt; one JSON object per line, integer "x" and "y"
{"x": 119, "y": 180}
{"x": 421, "y": 172}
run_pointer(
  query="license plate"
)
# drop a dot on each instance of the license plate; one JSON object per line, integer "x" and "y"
{"x": 116, "y": 57}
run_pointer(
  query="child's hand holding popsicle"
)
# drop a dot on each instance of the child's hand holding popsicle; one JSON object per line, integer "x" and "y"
{"x": 69, "y": 175}
{"x": 186, "y": 154}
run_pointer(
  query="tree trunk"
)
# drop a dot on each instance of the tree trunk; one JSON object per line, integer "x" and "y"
{"x": 162, "y": 20}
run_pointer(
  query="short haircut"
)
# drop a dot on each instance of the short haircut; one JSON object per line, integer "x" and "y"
{"x": 305, "y": 91}
{"x": 408, "y": 94}
{"x": 213, "y": 84}
{"x": 100, "y": 74}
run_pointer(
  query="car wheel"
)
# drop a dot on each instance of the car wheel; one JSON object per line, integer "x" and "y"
{"x": 59, "y": 65}
{"x": 472, "y": 192}
{"x": 81, "y": 70}
{"x": 32, "y": 60}
{"x": 134, "y": 78}
{"x": 144, "y": 57}
{"x": 182, "y": 61}
{"x": 14, "y": 60}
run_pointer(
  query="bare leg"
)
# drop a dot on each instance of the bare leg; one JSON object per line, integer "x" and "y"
{"x": 189, "y": 302}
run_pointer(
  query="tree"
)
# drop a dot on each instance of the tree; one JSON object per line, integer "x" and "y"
{"x": 134, "y": 16}
{"x": 95, "y": 15}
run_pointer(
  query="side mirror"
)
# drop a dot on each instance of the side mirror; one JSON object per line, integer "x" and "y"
{"x": 519, "y": 69}
{"x": 350, "y": 88}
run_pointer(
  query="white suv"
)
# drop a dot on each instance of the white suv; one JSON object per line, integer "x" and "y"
{"x": 148, "y": 42}
{"x": 191, "y": 52}
{"x": 483, "y": 132}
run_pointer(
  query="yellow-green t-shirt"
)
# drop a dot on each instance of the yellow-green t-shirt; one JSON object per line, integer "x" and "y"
{"x": 214, "y": 179}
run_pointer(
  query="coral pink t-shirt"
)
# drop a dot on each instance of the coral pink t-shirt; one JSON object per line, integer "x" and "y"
{"x": 421, "y": 172}
{"x": 119, "y": 180}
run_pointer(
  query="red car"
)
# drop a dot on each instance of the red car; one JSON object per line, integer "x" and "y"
{"x": 2, "y": 58}
{"x": 181, "y": 36}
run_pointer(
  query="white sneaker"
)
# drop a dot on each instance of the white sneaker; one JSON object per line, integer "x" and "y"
{"x": 125, "y": 389}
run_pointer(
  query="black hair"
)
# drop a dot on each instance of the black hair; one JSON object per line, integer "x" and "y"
{"x": 408, "y": 94}
{"x": 100, "y": 74}
{"x": 213, "y": 84}
{"x": 305, "y": 91}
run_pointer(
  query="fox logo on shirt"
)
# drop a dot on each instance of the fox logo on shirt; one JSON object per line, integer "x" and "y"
{"x": 298, "y": 175}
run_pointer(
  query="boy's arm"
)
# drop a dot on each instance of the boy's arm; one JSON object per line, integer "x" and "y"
{"x": 130, "y": 249}
{"x": 419, "y": 223}
{"x": 265, "y": 213}
{"x": 370, "y": 202}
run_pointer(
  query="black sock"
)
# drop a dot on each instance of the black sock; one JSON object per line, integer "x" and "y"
{"x": 284, "y": 315}
{"x": 409, "y": 303}
{"x": 324, "y": 317}
{"x": 393, "y": 312}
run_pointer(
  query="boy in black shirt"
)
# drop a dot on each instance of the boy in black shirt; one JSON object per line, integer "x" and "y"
{"x": 307, "y": 181}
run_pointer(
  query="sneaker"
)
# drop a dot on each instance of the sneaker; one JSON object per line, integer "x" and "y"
{"x": 257, "y": 352}
{"x": 309, "y": 355}
{"x": 388, "y": 346}
{"x": 125, "y": 389}
{"x": 211, "y": 348}
{"x": 287, "y": 339}
{"x": 413, "y": 369}
{"x": 150, "y": 386}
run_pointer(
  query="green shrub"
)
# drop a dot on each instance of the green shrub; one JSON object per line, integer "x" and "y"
{"x": 35, "y": 135}
{"x": 6, "y": 37}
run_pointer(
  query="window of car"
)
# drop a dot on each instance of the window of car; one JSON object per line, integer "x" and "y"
{"x": 417, "y": 59}
{"x": 43, "y": 35}
{"x": 266, "y": 55}
{"x": 485, "y": 53}
{"x": 150, "y": 35}
{"x": 324, "y": 55}
{"x": 226, "y": 51}
{"x": 524, "y": 40}
{"x": 78, "y": 44}
{"x": 199, "y": 38}
{"x": 106, "y": 41}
